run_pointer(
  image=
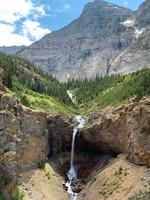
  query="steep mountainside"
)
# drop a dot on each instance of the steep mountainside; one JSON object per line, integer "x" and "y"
{"x": 36, "y": 127}
{"x": 137, "y": 55}
{"x": 85, "y": 47}
{"x": 12, "y": 50}
{"x": 109, "y": 91}
{"x": 32, "y": 87}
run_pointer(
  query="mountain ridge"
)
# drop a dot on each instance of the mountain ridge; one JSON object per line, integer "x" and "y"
{"x": 11, "y": 50}
{"x": 137, "y": 55}
{"x": 78, "y": 49}
{"x": 101, "y": 41}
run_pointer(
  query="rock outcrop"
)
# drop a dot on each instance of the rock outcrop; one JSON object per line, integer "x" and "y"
{"x": 27, "y": 137}
{"x": 22, "y": 141}
{"x": 123, "y": 130}
{"x": 137, "y": 55}
{"x": 118, "y": 180}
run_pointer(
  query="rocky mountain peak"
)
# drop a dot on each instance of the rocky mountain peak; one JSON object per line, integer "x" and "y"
{"x": 90, "y": 44}
{"x": 143, "y": 14}
{"x": 100, "y": 6}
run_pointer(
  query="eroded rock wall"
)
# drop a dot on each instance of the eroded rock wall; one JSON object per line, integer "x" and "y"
{"x": 22, "y": 141}
{"x": 122, "y": 130}
{"x": 27, "y": 137}
{"x": 59, "y": 134}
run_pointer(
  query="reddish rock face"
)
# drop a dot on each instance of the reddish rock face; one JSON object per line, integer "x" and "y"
{"x": 123, "y": 130}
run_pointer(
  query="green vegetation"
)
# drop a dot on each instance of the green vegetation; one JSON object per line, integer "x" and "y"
{"x": 140, "y": 195}
{"x": 6, "y": 150}
{"x": 33, "y": 88}
{"x": 41, "y": 102}
{"x": 119, "y": 171}
{"x": 24, "y": 73}
{"x": 41, "y": 164}
{"x": 40, "y": 91}
{"x": 18, "y": 194}
{"x": 110, "y": 90}
{"x": 2, "y": 197}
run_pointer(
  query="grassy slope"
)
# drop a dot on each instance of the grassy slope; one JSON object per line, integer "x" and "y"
{"x": 33, "y": 88}
{"x": 2, "y": 197}
{"x": 41, "y": 102}
{"x": 40, "y": 91}
{"x": 131, "y": 86}
{"x": 112, "y": 91}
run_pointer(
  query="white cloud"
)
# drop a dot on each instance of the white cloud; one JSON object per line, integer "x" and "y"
{"x": 39, "y": 11}
{"x": 20, "y": 9}
{"x": 33, "y": 30}
{"x": 12, "y": 11}
{"x": 15, "y": 14}
{"x": 9, "y": 38}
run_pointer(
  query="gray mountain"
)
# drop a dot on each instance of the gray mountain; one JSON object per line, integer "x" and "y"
{"x": 101, "y": 41}
{"x": 85, "y": 47}
{"x": 11, "y": 50}
{"x": 137, "y": 55}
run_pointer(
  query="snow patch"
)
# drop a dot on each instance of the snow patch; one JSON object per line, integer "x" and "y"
{"x": 116, "y": 7}
{"x": 131, "y": 23}
{"x": 128, "y": 22}
{"x": 138, "y": 32}
{"x": 113, "y": 6}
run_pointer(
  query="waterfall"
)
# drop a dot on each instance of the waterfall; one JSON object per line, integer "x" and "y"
{"x": 72, "y": 172}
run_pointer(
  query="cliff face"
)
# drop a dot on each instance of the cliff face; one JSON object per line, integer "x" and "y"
{"x": 85, "y": 47}
{"x": 11, "y": 50}
{"x": 123, "y": 130}
{"x": 22, "y": 141}
{"x": 137, "y": 55}
{"x": 26, "y": 139}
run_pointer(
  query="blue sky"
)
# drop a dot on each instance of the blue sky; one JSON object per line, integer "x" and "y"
{"x": 60, "y": 19}
{"x": 25, "y": 21}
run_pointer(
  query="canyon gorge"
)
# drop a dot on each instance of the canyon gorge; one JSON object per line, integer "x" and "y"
{"x": 75, "y": 109}
{"x": 111, "y": 148}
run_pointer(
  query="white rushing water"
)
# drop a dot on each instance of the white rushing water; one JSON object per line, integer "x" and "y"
{"x": 72, "y": 175}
